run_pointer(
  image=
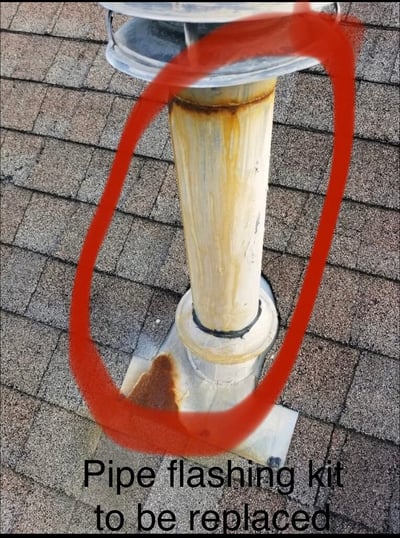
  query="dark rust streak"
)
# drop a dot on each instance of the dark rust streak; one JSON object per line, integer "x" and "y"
{"x": 212, "y": 109}
{"x": 156, "y": 388}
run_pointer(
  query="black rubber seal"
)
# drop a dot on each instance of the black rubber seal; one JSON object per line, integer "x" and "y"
{"x": 227, "y": 334}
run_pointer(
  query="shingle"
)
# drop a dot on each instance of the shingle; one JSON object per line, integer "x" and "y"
{"x": 154, "y": 138}
{"x": 299, "y": 158}
{"x": 284, "y": 208}
{"x": 84, "y": 521}
{"x": 368, "y": 470}
{"x": 126, "y": 85}
{"x": 235, "y": 497}
{"x": 395, "y": 77}
{"x": 142, "y": 186}
{"x": 26, "y": 350}
{"x": 71, "y": 240}
{"x": 100, "y": 72}
{"x": 60, "y": 169}
{"x": 59, "y": 387}
{"x": 179, "y": 500}
{"x": 383, "y": 13}
{"x": 71, "y": 63}
{"x": 118, "y": 311}
{"x": 20, "y": 276}
{"x": 312, "y": 105}
{"x": 285, "y": 91}
{"x": 377, "y": 109}
{"x": 14, "y": 489}
{"x": 29, "y": 97}
{"x": 44, "y": 222}
{"x": 51, "y": 301}
{"x": 166, "y": 207}
{"x": 159, "y": 318}
{"x": 334, "y": 309}
{"x": 32, "y": 17}
{"x": 376, "y": 318}
{"x": 309, "y": 442}
{"x": 57, "y": 446}
{"x": 18, "y": 52}
{"x": 378, "y": 55}
{"x": 13, "y": 205}
{"x": 379, "y": 249}
{"x": 320, "y": 379}
{"x": 372, "y": 405}
{"x": 98, "y": 491}
{"x": 97, "y": 172}
{"x": 373, "y": 176}
{"x": 19, "y": 154}
{"x": 174, "y": 273}
{"x": 90, "y": 117}
{"x": 340, "y": 525}
{"x": 283, "y": 273}
{"x": 17, "y": 413}
{"x": 81, "y": 20}
{"x": 57, "y": 111}
{"x": 7, "y": 13}
{"x": 394, "y": 510}
{"x": 115, "y": 122}
{"x": 145, "y": 251}
{"x": 44, "y": 511}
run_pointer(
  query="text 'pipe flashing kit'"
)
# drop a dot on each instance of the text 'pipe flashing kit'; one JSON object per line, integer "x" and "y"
{"x": 221, "y": 126}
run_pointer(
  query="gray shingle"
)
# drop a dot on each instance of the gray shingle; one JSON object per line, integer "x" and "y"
{"x": 44, "y": 222}
{"x": 44, "y": 511}
{"x": 382, "y": 13}
{"x": 36, "y": 19}
{"x": 90, "y": 117}
{"x": 166, "y": 207}
{"x": 7, "y": 12}
{"x": 26, "y": 350}
{"x": 51, "y": 301}
{"x": 60, "y": 169}
{"x": 13, "y": 205}
{"x": 100, "y": 72}
{"x": 57, "y": 446}
{"x": 19, "y": 154}
{"x": 372, "y": 405}
{"x": 299, "y": 158}
{"x": 97, "y": 491}
{"x": 373, "y": 176}
{"x": 17, "y": 51}
{"x": 334, "y": 310}
{"x": 369, "y": 467}
{"x": 29, "y": 97}
{"x": 283, "y": 273}
{"x": 20, "y": 276}
{"x": 81, "y": 20}
{"x": 376, "y": 318}
{"x": 56, "y": 112}
{"x": 118, "y": 311}
{"x": 377, "y": 107}
{"x": 320, "y": 379}
{"x": 284, "y": 209}
{"x": 58, "y": 385}
{"x": 378, "y": 55}
{"x": 174, "y": 273}
{"x": 17, "y": 413}
{"x": 14, "y": 489}
{"x": 71, "y": 63}
{"x": 145, "y": 251}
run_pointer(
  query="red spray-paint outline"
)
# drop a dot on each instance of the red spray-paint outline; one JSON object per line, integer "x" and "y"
{"x": 154, "y": 431}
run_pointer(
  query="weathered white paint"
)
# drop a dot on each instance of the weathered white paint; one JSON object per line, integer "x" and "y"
{"x": 221, "y": 139}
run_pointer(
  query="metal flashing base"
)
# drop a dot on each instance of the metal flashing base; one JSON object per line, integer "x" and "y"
{"x": 218, "y": 387}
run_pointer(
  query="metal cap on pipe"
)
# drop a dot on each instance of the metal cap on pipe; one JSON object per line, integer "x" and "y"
{"x": 159, "y": 31}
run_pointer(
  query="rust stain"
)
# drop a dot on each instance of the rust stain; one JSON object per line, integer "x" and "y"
{"x": 156, "y": 388}
{"x": 233, "y": 108}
